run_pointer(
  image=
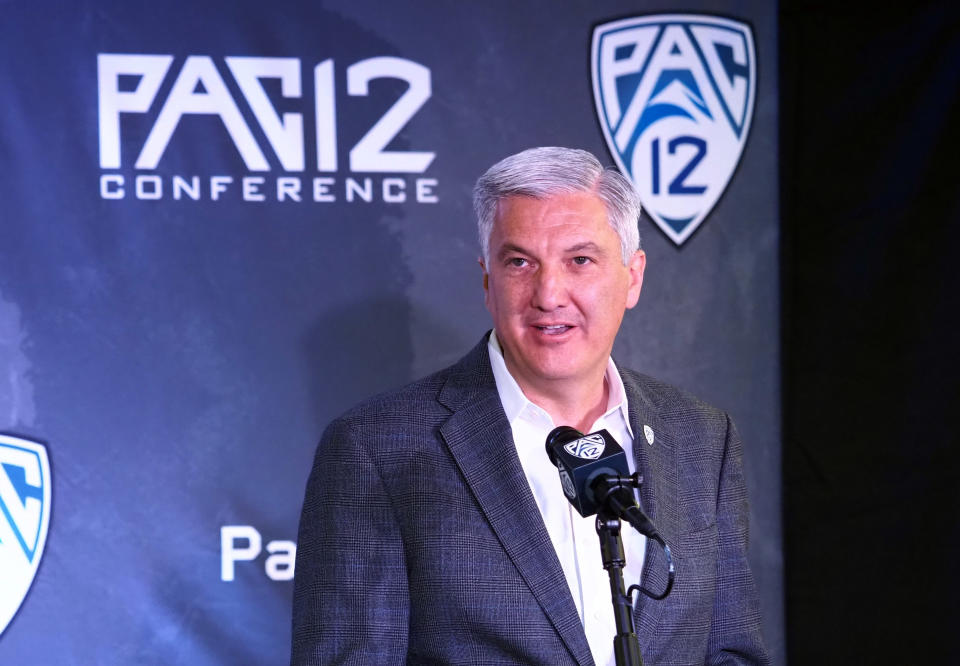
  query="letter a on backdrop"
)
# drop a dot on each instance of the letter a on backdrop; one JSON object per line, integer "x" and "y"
{"x": 24, "y": 518}
{"x": 674, "y": 94}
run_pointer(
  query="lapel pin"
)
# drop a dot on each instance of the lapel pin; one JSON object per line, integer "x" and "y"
{"x": 648, "y": 433}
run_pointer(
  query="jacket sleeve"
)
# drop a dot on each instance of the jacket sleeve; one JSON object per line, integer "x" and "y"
{"x": 735, "y": 630}
{"x": 351, "y": 602}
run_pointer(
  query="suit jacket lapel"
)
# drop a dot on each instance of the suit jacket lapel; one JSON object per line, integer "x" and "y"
{"x": 481, "y": 441}
{"x": 657, "y": 463}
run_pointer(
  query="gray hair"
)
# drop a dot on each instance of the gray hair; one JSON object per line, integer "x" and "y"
{"x": 542, "y": 172}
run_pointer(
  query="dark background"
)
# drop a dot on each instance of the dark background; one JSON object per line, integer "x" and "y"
{"x": 870, "y": 212}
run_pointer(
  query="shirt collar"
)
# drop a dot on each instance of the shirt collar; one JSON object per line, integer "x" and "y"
{"x": 515, "y": 402}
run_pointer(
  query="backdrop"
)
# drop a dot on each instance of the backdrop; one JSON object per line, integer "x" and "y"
{"x": 221, "y": 224}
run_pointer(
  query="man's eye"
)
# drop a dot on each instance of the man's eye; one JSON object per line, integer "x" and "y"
{"x": 580, "y": 261}
{"x": 517, "y": 261}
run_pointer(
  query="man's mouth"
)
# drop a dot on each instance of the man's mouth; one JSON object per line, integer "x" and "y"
{"x": 554, "y": 329}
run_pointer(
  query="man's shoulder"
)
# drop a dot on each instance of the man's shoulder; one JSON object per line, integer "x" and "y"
{"x": 699, "y": 432}
{"x": 669, "y": 401}
{"x": 429, "y": 395}
{"x": 421, "y": 392}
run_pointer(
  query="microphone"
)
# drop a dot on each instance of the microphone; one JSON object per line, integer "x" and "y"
{"x": 595, "y": 476}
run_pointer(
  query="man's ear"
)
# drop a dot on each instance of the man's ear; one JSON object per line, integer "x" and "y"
{"x": 636, "y": 266}
{"x": 486, "y": 276}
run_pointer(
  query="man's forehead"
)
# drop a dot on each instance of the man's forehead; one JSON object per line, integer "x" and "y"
{"x": 586, "y": 205}
{"x": 566, "y": 222}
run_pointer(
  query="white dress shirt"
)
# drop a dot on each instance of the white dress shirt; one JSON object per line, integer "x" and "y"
{"x": 574, "y": 537}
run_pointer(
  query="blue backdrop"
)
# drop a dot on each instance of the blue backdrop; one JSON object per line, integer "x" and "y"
{"x": 206, "y": 254}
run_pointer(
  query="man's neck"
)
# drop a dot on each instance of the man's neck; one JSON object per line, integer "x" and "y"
{"x": 575, "y": 403}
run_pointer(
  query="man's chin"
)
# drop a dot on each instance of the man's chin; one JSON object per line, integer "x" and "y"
{"x": 560, "y": 371}
{"x": 543, "y": 362}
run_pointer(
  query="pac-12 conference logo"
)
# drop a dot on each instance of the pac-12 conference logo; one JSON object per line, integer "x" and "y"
{"x": 24, "y": 517}
{"x": 275, "y": 99}
{"x": 590, "y": 447}
{"x": 674, "y": 94}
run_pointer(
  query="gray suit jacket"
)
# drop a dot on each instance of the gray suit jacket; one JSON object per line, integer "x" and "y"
{"x": 420, "y": 541}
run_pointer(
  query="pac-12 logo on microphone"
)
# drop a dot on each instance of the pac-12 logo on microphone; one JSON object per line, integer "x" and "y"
{"x": 24, "y": 517}
{"x": 674, "y": 94}
{"x": 590, "y": 447}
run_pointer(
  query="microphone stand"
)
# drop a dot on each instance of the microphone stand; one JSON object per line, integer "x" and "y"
{"x": 626, "y": 647}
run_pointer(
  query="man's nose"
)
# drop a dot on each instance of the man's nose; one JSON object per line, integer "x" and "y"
{"x": 549, "y": 289}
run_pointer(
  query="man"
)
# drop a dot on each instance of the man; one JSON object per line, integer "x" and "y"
{"x": 434, "y": 529}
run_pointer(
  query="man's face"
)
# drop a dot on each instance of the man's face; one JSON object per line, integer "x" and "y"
{"x": 557, "y": 288}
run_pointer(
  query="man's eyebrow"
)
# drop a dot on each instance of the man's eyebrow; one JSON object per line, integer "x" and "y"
{"x": 510, "y": 248}
{"x": 585, "y": 246}
{"x": 588, "y": 246}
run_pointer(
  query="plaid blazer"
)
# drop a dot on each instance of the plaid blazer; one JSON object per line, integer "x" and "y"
{"x": 420, "y": 541}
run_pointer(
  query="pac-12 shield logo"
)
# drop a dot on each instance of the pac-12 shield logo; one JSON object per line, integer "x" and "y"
{"x": 590, "y": 447}
{"x": 674, "y": 94}
{"x": 24, "y": 517}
